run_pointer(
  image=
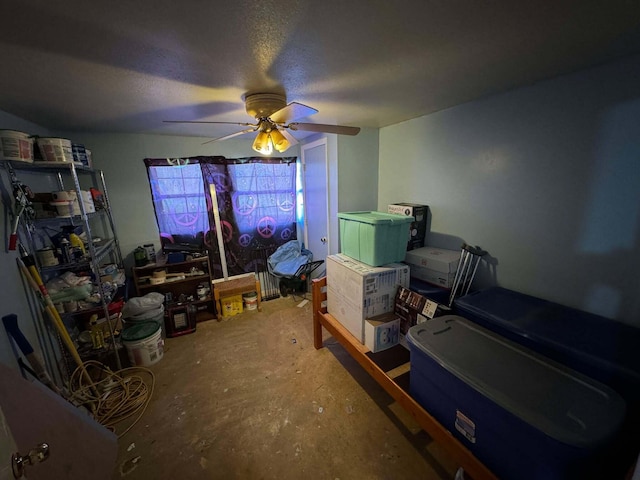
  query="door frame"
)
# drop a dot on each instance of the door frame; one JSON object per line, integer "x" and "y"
{"x": 330, "y": 201}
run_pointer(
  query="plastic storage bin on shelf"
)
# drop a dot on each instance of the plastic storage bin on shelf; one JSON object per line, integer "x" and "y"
{"x": 375, "y": 238}
{"x": 523, "y": 415}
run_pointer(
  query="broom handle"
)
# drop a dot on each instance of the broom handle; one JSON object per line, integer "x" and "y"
{"x": 36, "y": 280}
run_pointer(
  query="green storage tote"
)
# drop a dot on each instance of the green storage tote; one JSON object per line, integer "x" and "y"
{"x": 374, "y": 238}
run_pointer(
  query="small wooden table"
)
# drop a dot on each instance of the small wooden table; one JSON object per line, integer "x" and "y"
{"x": 236, "y": 286}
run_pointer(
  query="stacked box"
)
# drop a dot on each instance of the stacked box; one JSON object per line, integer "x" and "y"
{"x": 357, "y": 291}
{"x": 412, "y": 309}
{"x": 434, "y": 265}
{"x": 381, "y": 332}
{"x": 418, "y": 229}
{"x": 374, "y": 238}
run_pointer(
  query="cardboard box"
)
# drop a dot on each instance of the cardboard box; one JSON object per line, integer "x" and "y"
{"x": 412, "y": 309}
{"x": 433, "y": 276}
{"x": 434, "y": 265}
{"x": 357, "y": 291}
{"x": 381, "y": 332}
{"x": 418, "y": 230}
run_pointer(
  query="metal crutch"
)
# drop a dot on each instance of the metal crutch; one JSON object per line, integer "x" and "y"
{"x": 467, "y": 266}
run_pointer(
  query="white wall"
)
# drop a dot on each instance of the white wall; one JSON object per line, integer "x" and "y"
{"x": 545, "y": 178}
{"x": 355, "y": 172}
{"x": 358, "y": 171}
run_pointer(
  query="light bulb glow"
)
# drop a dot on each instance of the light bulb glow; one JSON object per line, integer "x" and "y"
{"x": 262, "y": 144}
{"x": 280, "y": 142}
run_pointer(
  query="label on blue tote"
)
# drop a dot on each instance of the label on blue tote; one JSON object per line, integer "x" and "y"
{"x": 465, "y": 426}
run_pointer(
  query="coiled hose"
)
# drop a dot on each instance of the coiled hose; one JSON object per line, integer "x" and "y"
{"x": 121, "y": 396}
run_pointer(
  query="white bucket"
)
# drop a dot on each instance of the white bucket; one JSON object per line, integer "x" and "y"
{"x": 55, "y": 150}
{"x": 66, "y": 202}
{"x": 16, "y": 146}
{"x": 155, "y": 314}
{"x": 250, "y": 300}
{"x": 64, "y": 209}
{"x": 147, "y": 350}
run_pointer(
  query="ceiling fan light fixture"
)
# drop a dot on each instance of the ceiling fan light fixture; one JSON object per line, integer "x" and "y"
{"x": 275, "y": 121}
{"x": 280, "y": 143}
{"x": 262, "y": 143}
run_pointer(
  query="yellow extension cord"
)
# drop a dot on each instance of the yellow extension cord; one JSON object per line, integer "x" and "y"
{"x": 121, "y": 395}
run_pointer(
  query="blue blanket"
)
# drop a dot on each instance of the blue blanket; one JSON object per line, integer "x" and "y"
{"x": 286, "y": 260}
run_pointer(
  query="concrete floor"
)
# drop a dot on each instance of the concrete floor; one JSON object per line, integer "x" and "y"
{"x": 250, "y": 398}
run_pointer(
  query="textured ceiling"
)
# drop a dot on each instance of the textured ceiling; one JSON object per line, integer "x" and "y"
{"x": 103, "y": 66}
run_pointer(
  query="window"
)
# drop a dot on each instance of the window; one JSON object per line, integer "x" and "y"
{"x": 179, "y": 200}
{"x": 256, "y": 207}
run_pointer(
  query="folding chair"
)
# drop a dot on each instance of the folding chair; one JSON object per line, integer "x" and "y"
{"x": 467, "y": 265}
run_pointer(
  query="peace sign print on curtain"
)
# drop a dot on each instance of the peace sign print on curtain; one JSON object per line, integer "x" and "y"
{"x": 178, "y": 198}
{"x": 257, "y": 208}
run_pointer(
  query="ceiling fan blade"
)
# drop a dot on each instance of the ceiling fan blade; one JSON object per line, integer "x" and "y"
{"x": 320, "y": 127}
{"x": 219, "y": 123}
{"x": 293, "y": 111}
{"x": 226, "y": 137}
{"x": 290, "y": 138}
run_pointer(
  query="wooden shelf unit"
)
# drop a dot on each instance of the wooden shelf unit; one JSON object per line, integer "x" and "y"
{"x": 388, "y": 377}
{"x": 186, "y": 286}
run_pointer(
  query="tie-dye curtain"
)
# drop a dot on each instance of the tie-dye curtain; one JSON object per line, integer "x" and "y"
{"x": 256, "y": 199}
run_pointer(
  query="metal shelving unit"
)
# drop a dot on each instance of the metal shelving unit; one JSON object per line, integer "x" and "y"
{"x": 70, "y": 176}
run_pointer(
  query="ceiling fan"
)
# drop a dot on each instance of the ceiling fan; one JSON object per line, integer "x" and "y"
{"x": 274, "y": 118}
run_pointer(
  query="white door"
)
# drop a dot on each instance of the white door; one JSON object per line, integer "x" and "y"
{"x": 316, "y": 200}
{"x": 79, "y": 447}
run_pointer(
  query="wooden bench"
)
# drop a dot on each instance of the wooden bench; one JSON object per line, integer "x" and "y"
{"x": 235, "y": 286}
